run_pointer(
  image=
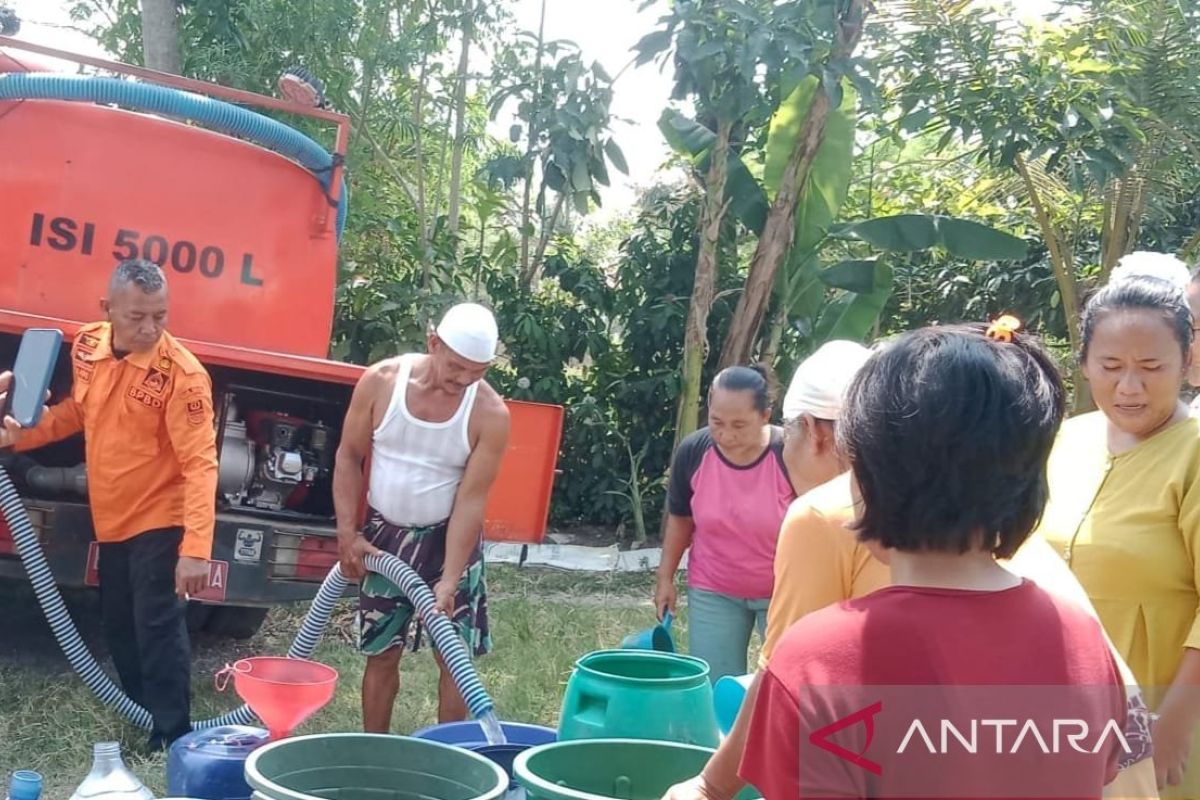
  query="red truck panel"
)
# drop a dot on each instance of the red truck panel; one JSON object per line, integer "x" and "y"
{"x": 245, "y": 236}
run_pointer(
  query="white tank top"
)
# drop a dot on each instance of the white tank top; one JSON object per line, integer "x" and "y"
{"x": 416, "y": 466}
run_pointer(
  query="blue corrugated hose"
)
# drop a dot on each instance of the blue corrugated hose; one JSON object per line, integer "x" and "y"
{"x": 451, "y": 647}
{"x": 215, "y": 114}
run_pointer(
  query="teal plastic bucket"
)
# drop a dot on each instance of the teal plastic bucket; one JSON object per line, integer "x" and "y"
{"x": 639, "y": 694}
{"x": 656, "y": 638}
{"x": 621, "y": 769}
{"x": 367, "y": 766}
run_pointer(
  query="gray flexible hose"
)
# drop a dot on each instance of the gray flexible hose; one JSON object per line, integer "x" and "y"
{"x": 50, "y": 599}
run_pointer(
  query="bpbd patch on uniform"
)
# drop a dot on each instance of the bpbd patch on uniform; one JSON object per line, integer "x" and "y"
{"x": 155, "y": 382}
{"x": 84, "y": 349}
{"x": 195, "y": 411}
{"x": 145, "y": 398}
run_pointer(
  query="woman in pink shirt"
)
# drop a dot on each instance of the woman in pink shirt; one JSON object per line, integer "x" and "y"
{"x": 728, "y": 493}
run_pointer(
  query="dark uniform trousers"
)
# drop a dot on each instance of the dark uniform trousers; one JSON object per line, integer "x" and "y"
{"x": 145, "y": 624}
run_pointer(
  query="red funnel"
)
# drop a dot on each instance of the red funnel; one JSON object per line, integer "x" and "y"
{"x": 283, "y": 692}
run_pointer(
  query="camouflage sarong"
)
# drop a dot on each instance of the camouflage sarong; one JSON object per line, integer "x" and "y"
{"x": 385, "y": 614}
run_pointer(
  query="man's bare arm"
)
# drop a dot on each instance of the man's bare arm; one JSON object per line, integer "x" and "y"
{"x": 466, "y": 520}
{"x": 353, "y": 452}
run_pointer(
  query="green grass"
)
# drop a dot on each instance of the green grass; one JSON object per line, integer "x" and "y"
{"x": 542, "y": 621}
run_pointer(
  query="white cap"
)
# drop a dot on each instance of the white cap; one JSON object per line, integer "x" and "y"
{"x": 821, "y": 381}
{"x": 469, "y": 329}
{"x": 1144, "y": 263}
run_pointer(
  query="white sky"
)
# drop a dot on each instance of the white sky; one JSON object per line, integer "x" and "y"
{"x": 605, "y": 30}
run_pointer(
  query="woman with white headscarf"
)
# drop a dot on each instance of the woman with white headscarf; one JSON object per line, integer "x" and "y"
{"x": 1164, "y": 266}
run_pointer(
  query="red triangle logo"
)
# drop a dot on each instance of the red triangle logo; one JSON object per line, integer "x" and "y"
{"x": 866, "y": 716}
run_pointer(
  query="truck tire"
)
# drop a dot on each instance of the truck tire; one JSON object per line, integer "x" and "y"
{"x": 235, "y": 622}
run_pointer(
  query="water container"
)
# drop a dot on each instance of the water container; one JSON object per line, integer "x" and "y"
{"x": 211, "y": 764}
{"x": 469, "y": 735}
{"x": 639, "y": 694}
{"x": 25, "y": 785}
{"x": 621, "y": 769}
{"x": 728, "y": 695}
{"x": 110, "y": 779}
{"x": 656, "y": 638}
{"x": 362, "y": 766}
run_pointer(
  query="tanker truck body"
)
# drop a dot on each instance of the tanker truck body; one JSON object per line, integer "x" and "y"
{"x": 244, "y": 216}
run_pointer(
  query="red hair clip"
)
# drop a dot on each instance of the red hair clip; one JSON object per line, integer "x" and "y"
{"x": 1003, "y": 328}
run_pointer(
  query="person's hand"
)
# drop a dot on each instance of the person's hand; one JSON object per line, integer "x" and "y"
{"x": 191, "y": 576}
{"x": 10, "y": 429}
{"x": 1172, "y": 743}
{"x": 665, "y": 597}
{"x": 351, "y": 552}
{"x": 444, "y": 592}
{"x": 695, "y": 789}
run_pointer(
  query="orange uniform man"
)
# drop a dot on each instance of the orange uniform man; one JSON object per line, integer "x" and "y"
{"x": 144, "y": 405}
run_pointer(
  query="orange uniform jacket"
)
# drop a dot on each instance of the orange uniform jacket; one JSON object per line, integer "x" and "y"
{"x": 151, "y": 446}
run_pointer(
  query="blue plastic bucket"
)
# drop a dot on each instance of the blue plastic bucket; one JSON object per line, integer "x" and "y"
{"x": 656, "y": 638}
{"x": 728, "y": 695}
{"x": 469, "y": 736}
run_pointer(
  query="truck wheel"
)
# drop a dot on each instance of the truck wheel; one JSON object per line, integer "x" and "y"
{"x": 235, "y": 622}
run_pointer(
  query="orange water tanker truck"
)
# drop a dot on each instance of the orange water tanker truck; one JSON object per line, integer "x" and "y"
{"x": 244, "y": 214}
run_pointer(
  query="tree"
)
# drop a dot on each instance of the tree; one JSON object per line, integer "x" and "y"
{"x": 473, "y": 14}
{"x": 844, "y": 300}
{"x": 563, "y": 117}
{"x": 160, "y": 36}
{"x": 842, "y": 23}
{"x": 717, "y": 49}
{"x": 1089, "y": 117}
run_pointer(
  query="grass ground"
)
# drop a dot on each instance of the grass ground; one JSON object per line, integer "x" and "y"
{"x": 542, "y": 621}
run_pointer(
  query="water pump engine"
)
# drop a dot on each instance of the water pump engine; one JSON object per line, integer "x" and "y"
{"x": 271, "y": 460}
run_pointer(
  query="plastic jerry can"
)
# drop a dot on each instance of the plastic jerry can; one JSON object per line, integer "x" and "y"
{"x": 211, "y": 764}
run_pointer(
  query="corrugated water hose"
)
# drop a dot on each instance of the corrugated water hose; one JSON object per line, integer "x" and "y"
{"x": 449, "y": 645}
{"x": 215, "y": 114}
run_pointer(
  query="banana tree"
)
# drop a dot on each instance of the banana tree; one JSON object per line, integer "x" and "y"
{"x": 843, "y": 300}
{"x": 801, "y": 283}
{"x": 840, "y": 27}
{"x": 719, "y": 48}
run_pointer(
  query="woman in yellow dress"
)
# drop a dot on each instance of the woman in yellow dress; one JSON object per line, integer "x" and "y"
{"x": 1124, "y": 508}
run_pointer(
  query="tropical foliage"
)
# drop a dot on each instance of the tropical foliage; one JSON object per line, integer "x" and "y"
{"x": 851, "y": 169}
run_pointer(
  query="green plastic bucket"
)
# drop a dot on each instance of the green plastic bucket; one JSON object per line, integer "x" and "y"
{"x": 367, "y": 766}
{"x": 620, "y": 769}
{"x": 639, "y": 694}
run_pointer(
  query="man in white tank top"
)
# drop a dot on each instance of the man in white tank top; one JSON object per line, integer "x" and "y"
{"x": 433, "y": 432}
